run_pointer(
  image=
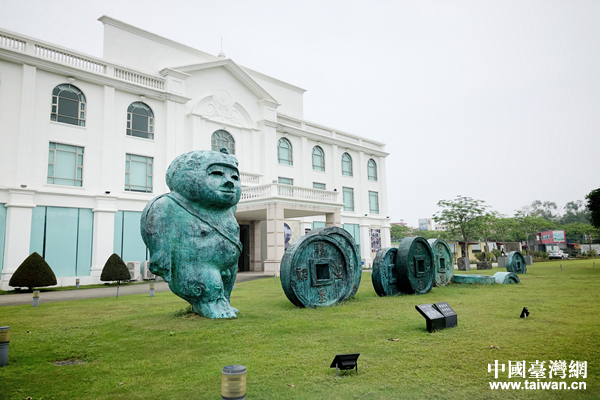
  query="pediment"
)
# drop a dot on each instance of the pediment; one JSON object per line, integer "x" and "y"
{"x": 234, "y": 70}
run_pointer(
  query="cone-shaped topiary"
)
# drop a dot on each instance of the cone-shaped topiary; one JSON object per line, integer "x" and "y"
{"x": 115, "y": 270}
{"x": 33, "y": 272}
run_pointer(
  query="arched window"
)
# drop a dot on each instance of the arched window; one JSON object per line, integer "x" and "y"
{"x": 140, "y": 120}
{"x": 68, "y": 105}
{"x": 372, "y": 170}
{"x": 222, "y": 139}
{"x": 346, "y": 164}
{"x": 284, "y": 152}
{"x": 318, "y": 159}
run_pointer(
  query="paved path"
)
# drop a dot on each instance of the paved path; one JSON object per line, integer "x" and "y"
{"x": 65, "y": 295}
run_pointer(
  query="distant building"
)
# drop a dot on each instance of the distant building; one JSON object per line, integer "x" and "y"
{"x": 401, "y": 223}
{"x": 425, "y": 224}
{"x": 441, "y": 227}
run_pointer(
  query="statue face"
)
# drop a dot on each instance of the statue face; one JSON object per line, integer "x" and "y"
{"x": 217, "y": 186}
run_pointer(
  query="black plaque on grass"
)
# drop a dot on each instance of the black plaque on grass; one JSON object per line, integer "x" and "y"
{"x": 345, "y": 362}
{"x": 450, "y": 316}
{"x": 435, "y": 320}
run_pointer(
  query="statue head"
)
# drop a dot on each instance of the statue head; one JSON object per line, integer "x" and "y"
{"x": 209, "y": 178}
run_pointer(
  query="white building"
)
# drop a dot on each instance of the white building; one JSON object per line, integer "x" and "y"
{"x": 85, "y": 143}
{"x": 425, "y": 224}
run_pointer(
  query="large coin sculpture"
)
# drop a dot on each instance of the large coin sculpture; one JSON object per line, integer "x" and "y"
{"x": 444, "y": 267}
{"x": 415, "y": 266}
{"x": 515, "y": 262}
{"x": 384, "y": 276}
{"x": 321, "y": 269}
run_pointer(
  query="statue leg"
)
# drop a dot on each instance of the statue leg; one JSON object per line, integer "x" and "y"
{"x": 229, "y": 276}
{"x": 213, "y": 303}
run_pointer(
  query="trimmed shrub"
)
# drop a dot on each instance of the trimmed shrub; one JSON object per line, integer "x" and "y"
{"x": 33, "y": 272}
{"x": 115, "y": 270}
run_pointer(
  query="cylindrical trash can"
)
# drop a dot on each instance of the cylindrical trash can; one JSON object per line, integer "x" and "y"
{"x": 233, "y": 382}
{"x": 4, "y": 341}
{"x": 152, "y": 290}
{"x": 36, "y": 298}
{"x": 77, "y": 283}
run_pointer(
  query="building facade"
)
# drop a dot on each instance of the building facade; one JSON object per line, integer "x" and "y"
{"x": 85, "y": 142}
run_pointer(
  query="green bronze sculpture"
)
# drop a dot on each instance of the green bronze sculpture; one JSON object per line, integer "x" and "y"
{"x": 192, "y": 234}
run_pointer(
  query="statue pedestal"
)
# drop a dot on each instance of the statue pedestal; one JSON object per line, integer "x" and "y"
{"x": 501, "y": 262}
{"x": 271, "y": 267}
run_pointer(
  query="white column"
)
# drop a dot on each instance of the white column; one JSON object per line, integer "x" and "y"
{"x": 305, "y": 165}
{"x": 175, "y": 134}
{"x": 365, "y": 244}
{"x": 18, "y": 231}
{"x": 334, "y": 218}
{"x": 275, "y": 239}
{"x": 382, "y": 177}
{"x": 360, "y": 174}
{"x": 104, "y": 232}
{"x": 109, "y": 138}
{"x": 336, "y": 168}
{"x": 26, "y": 119}
{"x": 255, "y": 247}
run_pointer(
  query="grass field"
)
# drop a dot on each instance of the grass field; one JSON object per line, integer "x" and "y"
{"x": 137, "y": 347}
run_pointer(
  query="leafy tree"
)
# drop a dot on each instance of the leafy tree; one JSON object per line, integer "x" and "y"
{"x": 546, "y": 210}
{"x": 576, "y": 231}
{"x": 33, "y": 272}
{"x": 593, "y": 206}
{"x": 504, "y": 228}
{"x": 115, "y": 270}
{"x": 575, "y": 211}
{"x": 399, "y": 232}
{"x": 460, "y": 216}
{"x": 528, "y": 226}
{"x": 484, "y": 228}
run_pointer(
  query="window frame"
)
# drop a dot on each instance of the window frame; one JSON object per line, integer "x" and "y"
{"x": 350, "y": 191}
{"x": 372, "y": 167}
{"x": 229, "y": 139}
{"x": 52, "y": 153}
{"x": 315, "y": 167}
{"x": 375, "y": 195}
{"x": 149, "y": 132}
{"x": 284, "y": 161}
{"x": 315, "y": 184}
{"x": 347, "y": 160}
{"x": 149, "y": 173}
{"x": 55, "y": 105}
{"x": 281, "y": 178}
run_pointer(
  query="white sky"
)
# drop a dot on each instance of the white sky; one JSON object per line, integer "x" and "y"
{"x": 496, "y": 100}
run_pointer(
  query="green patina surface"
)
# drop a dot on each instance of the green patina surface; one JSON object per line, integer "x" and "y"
{"x": 415, "y": 266}
{"x": 506, "y": 278}
{"x": 442, "y": 256}
{"x": 321, "y": 269}
{"x": 385, "y": 276}
{"x": 470, "y": 279}
{"x": 192, "y": 234}
{"x": 515, "y": 262}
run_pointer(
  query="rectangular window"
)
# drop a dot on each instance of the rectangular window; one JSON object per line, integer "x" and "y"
{"x": 354, "y": 230}
{"x": 348, "y": 194}
{"x": 65, "y": 165}
{"x": 128, "y": 242}
{"x": 138, "y": 173}
{"x": 285, "y": 181}
{"x": 317, "y": 185}
{"x": 319, "y": 224}
{"x": 63, "y": 237}
{"x": 373, "y": 202}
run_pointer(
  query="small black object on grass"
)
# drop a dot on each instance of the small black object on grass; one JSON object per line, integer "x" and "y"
{"x": 345, "y": 362}
{"x": 525, "y": 313}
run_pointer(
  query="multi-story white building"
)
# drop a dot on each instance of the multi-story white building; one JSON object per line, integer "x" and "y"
{"x": 85, "y": 143}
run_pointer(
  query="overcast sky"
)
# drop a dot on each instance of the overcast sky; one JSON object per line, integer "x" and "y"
{"x": 495, "y": 100}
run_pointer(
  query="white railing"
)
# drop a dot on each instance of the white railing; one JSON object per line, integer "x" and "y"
{"x": 7, "y": 41}
{"x": 140, "y": 79}
{"x": 316, "y": 129}
{"x": 293, "y": 192}
{"x": 70, "y": 59}
{"x": 289, "y": 121}
{"x": 81, "y": 61}
{"x": 322, "y": 130}
{"x": 250, "y": 178}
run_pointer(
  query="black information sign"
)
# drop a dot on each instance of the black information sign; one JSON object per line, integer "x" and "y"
{"x": 450, "y": 315}
{"x": 435, "y": 320}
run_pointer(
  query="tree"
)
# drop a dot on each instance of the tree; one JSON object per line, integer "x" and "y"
{"x": 503, "y": 227}
{"x": 528, "y": 226}
{"x": 593, "y": 206}
{"x": 399, "y": 232}
{"x": 546, "y": 210}
{"x": 460, "y": 216}
{"x": 575, "y": 211}
{"x": 33, "y": 272}
{"x": 115, "y": 270}
{"x": 575, "y": 231}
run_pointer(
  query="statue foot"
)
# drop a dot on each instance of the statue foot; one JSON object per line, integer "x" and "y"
{"x": 218, "y": 309}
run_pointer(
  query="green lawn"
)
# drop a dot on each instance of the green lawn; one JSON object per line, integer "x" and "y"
{"x": 135, "y": 347}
